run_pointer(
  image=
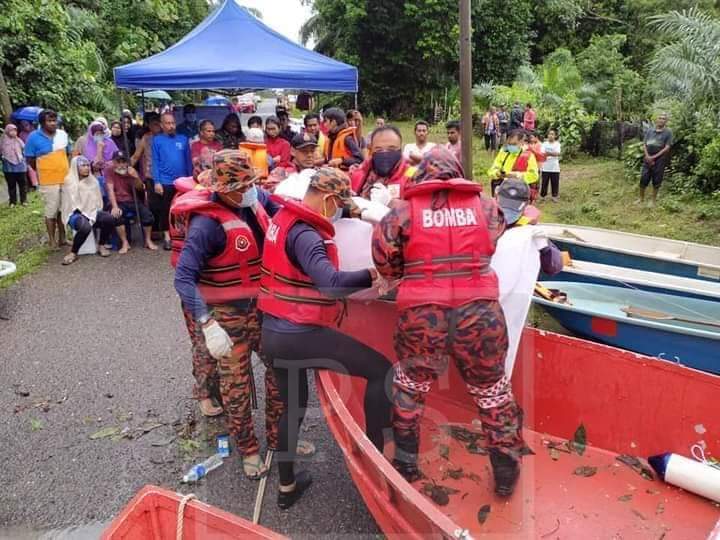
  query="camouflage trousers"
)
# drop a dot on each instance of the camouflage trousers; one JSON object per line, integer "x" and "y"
{"x": 474, "y": 336}
{"x": 204, "y": 366}
{"x": 243, "y": 327}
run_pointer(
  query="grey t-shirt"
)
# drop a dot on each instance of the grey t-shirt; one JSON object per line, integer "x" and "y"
{"x": 657, "y": 140}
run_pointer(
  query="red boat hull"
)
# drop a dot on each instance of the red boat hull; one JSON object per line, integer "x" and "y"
{"x": 628, "y": 403}
{"x": 152, "y": 515}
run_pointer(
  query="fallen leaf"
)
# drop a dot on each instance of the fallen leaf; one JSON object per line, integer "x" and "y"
{"x": 163, "y": 442}
{"x": 105, "y": 432}
{"x": 444, "y": 451}
{"x": 455, "y": 474}
{"x": 652, "y": 492}
{"x": 560, "y": 446}
{"x": 439, "y": 494}
{"x": 579, "y": 442}
{"x": 625, "y": 498}
{"x": 35, "y": 424}
{"x": 585, "y": 471}
{"x": 554, "y": 454}
{"x": 475, "y": 448}
{"x": 636, "y": 465}
{"x": 638, "y": 514}
{"x": 660, "y": 508}
{"x": 483, "y": 513}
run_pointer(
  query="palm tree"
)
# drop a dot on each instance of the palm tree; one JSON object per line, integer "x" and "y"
{"x": 689, "y": 64}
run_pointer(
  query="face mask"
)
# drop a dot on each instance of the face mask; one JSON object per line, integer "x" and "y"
{"x": 512, "y": 148}
{"x": 250, "y": 197}
{"x": 98, "y": 137}
{"x": 122, "y": 171}
{"x": 383, "y": 163}
{"x": 190, "y": 117}
{"x": 337, "y": 215}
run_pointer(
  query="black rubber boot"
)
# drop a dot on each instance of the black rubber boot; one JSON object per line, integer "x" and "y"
{"x": 303, "y": 481}
{"x": 506, "y": 471}
{"x": 410, "y": 471}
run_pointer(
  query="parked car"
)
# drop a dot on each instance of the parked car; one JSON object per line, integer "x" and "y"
{"x": 246, "y": 104}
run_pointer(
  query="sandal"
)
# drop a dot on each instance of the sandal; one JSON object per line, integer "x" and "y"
{"x": 210, "y": 408}
{"x": 254, "y": 467}
{"x": 305, "y": 449}
{"x": 103, "y": 251}
{"x": 69, "y": 259}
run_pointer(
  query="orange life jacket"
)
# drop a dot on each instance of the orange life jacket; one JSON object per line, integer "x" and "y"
{"x": 339, "y": 148}
{"x": 258, "y": 157}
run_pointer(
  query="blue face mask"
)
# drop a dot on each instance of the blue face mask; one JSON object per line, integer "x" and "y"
{"x": 250, "y": 197}
{"x": 338, "y": 215}
{"x": 512, "y": 148}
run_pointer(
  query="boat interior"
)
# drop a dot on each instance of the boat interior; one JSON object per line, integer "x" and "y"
{"x": 576, "y": 482}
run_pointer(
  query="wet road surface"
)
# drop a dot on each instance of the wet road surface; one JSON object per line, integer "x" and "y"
{"x": 100, "y": 348}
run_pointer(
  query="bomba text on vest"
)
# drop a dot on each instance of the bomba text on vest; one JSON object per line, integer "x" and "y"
{"x": 448, "y": 217}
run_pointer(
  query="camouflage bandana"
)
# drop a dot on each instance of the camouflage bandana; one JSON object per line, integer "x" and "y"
{"x": 438, "y": 164}
{"x": 332, "y": 180}
{"x": 232, "y": 171}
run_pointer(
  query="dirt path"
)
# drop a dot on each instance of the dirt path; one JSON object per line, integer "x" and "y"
{"x": 101, "y": 346}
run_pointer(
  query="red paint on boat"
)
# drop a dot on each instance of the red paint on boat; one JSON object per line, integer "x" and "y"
{"x": 152, "y": 515}
{"x": 629, "y": 404}
{"x": 604, "y": 327}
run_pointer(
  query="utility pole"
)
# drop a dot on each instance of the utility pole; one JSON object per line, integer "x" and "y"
{"x": 466, "y": 87}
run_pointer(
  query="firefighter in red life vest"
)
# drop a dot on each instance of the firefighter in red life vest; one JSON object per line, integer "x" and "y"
{"x": 218, "y": 236}
{"x": 448, "y": 308}
{"x": 300, "y": 296}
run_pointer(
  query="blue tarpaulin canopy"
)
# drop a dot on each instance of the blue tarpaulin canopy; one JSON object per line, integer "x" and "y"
{"x": 233, "y": 49}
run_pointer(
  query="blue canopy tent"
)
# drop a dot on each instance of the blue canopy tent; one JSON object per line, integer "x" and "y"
{"x": 233, "y": 49}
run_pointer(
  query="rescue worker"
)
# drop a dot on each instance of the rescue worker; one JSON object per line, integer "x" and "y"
{"x": 217, "y": 243}
{"x": 448, "y": 308}
{"x": 303, "y": 151}
{"x": 513, "y": 198}
{"x": 512, "y": 161}
{"x": 300, "y": 295}
{"x": 256, "y": 148}
{"x": 342, "y": 150}
{"x": 385, "y": 165}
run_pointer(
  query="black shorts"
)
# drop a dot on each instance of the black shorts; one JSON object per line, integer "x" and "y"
{"x": 654, "y": 174}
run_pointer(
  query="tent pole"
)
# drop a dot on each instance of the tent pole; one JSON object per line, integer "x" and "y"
{"x": 127, "y": 155}
{"x": 356, "y": 106}
{"x": 466, "y": 87}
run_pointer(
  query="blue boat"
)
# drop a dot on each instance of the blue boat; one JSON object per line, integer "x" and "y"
{"x": 646, "y": 253}
{"x": 681, "y": 330}
{"x": 618, "y": 276}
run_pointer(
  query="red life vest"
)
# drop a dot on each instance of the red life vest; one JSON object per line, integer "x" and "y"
{"x": 521, "y": 163}
{"x": 447, "y": 256}
{"x": 286, "y": 291}
{"x": 234, "y": 273}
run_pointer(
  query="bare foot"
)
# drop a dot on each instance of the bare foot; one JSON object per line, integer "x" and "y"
{"x": 124, "y": 249}
{"x": 151, "y": 246}
{"x": 103, "y": 251}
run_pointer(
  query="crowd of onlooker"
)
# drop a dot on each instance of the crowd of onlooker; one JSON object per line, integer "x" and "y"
{"x": 120, "y": 172}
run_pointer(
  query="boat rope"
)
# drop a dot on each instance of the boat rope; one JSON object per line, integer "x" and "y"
{"x": 181, "y": 515}
{"x": 699, "y": 454}
{"x": 686, "y": 309}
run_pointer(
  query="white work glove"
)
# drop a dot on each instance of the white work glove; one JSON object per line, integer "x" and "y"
{"x": 539, "y": 237}
{"x": 374, "y": 212}
{"x": 217, "y": 340}
{"x": 380, "y": 194}
{"x": 362, "y": 204}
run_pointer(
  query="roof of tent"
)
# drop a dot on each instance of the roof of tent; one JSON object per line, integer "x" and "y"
{"x": 233, "y": 49}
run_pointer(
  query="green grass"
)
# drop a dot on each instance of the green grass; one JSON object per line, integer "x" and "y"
{"x": 21, "y": 234}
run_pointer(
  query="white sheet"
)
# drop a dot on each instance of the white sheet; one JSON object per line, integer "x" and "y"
{"x": 516, "y": 263}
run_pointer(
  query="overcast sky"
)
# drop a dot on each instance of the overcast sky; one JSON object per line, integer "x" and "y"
{"x": 283, "y": 16}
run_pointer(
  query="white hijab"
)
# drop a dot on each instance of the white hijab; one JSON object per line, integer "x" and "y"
{"x": 81, "y": 194}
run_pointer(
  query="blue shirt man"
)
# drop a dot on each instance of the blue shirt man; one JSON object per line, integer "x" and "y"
{"x": 171, "y": 154}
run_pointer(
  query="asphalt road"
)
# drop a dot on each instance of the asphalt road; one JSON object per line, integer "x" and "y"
{"x": 100, "y": 345}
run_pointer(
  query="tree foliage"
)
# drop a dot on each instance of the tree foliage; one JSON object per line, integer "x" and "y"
{"x": 60, "y": 55}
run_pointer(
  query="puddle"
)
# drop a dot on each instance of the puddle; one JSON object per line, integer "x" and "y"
{"x": 91, "y": 531}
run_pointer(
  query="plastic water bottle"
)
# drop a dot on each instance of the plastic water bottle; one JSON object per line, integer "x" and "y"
{"x": 202, "y": 469}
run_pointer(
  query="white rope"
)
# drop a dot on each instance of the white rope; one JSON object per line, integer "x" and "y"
{"x": 181, "y": 515}
{"x": 699, "y": 454}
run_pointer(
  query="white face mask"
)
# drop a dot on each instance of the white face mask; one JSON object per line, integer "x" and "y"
{"x": 98, "y": 137}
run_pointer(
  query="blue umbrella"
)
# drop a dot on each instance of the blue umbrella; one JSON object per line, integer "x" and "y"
{"x": 29, "y": 114}
{"x": 217, "y": 100}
